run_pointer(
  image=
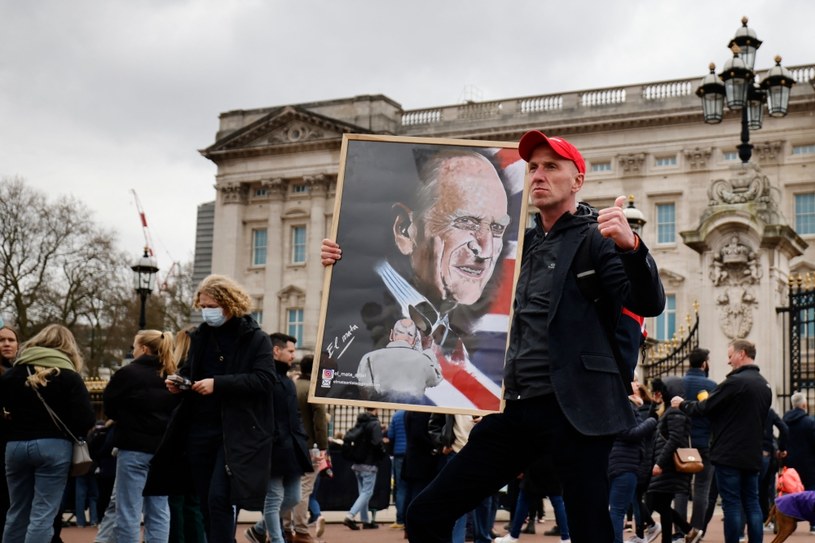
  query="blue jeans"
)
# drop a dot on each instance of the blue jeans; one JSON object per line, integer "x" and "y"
{"x": 131, "y": 476}
{"x": 86, "y": 493}
{"x": 107, "y": 528}
{"x": 561, "y": 518}
{"x": 365, "y": 486}
{"x": 519, "y": 516}
{"x": 401, "y": 488}
{"x": 622, "y": 492}
{"x": 37, "y": 472}
{"x": 739, "y": 489}
{"x": 282, "y": 494}
{"x": 313, "y": 504}
{"x": 481, "y": 519}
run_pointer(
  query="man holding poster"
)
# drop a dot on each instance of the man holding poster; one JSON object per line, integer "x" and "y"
{"x": 561, "y": 375}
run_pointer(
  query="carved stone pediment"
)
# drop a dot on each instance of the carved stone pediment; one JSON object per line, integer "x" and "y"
{"x": 291, "y": 295}
{"x": 631, "y": 163}
{"x": 697, "y": 157}
{"x": 278, "y": 131}
{"x": 671, "y": 277}
{"x": 747, "y": 185}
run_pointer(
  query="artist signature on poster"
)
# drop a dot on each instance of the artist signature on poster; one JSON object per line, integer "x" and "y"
{"x": 341, "y": 343}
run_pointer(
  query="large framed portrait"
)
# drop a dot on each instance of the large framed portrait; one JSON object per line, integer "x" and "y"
{"x": 416, "y": 314}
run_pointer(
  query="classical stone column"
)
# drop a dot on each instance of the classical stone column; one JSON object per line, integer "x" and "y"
{"x": 273, "y": 280}
{"x": 229, "y": 210}
{"x": 318, "y": 191}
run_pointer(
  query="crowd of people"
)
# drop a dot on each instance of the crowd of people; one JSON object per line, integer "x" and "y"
{"x": 207, "y": 421}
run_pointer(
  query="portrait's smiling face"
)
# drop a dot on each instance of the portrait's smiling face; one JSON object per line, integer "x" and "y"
{"x": 460, "y": 236}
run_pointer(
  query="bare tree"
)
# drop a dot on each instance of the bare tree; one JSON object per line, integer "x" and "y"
{"x": 56, "y": 264}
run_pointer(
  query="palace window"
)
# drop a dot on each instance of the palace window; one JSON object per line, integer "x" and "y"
{"x": 805, "y": 213}
{"x": 298, "y": 244}
{"x": 294, "y": 323}
{"x": 665, "y": 161}
{"x": 601, "y": 166}
{"x": 259, "y": 247}
{"x": 666, "y": 223}
{"x": 730, "y": 155}
{"x": 666, "y": 322}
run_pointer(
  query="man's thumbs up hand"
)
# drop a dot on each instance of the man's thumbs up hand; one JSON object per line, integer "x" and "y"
{"x": 613, "y": 224}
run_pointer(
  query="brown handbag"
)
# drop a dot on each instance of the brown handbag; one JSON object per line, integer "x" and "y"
{"x": 688, "y": 460}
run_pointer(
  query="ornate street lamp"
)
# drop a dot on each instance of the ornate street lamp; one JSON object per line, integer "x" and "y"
{"x": 740, "y": 90}
{"x": 144, "y": 280}
{"x": 634, "y": 216}
{"x": 711, "y": 91}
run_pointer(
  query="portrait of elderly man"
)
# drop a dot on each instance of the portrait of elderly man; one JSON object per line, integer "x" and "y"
{"x": 434, "y": 248}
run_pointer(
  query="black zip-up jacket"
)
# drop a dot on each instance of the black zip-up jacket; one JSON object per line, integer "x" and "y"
{"x": 558, "y": 342}
{"x": 138, "y": 400}
{"x": 737, "y": 409}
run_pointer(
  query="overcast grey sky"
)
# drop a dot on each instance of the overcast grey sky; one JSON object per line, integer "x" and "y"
{"x": 98, "y": 97}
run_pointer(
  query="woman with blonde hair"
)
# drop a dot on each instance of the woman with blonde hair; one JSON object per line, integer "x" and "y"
{"x": 222, "y": 431}
{"x": 39, "y": 452}
{"x": 138, "y": 401}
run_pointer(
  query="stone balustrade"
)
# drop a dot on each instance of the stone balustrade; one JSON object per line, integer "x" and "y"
{"x": 644, "y": 96}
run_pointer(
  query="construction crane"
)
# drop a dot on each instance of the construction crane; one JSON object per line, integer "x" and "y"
{"x": 148, "y": 241}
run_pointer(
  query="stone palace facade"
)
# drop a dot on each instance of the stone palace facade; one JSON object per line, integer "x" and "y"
{"x": 725, "y": 236}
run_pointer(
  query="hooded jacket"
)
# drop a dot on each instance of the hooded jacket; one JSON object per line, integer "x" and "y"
{"x": 550, "y": 311}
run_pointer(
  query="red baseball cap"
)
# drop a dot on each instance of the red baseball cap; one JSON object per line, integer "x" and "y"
{"x": 532, "y": 139}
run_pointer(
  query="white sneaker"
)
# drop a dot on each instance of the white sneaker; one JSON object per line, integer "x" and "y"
{"x": 652, "y": 532}
{"x": 505, "y": 539}
{"x": 635, "y": 539}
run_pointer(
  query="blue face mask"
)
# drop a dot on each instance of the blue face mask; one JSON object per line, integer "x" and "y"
{"x": 214, "y": 316}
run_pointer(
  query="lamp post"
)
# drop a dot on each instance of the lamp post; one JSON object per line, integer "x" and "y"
{"x": 737, "y": 86}
{"x": 634, "y": 216}
{"x": 144, "y": 279}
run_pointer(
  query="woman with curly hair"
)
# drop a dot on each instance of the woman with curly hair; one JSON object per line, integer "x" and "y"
{"x": 220, "y": 437}
{"x": 39, "y": 452}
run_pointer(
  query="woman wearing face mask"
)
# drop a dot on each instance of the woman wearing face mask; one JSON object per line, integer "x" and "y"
{"x": 221, "y": 434}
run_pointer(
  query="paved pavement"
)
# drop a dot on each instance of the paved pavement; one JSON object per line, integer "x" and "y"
{"x": 337, "y": 533}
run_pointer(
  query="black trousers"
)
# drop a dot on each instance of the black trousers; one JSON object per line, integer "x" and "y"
{"x": 500, "y": 447}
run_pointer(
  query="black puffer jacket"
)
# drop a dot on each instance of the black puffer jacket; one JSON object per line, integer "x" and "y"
{"x": 673, "y": 432}
{"x": 628, "y": 450}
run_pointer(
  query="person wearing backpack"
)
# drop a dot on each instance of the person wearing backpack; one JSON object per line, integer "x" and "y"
{"x": 363, "y": 445}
